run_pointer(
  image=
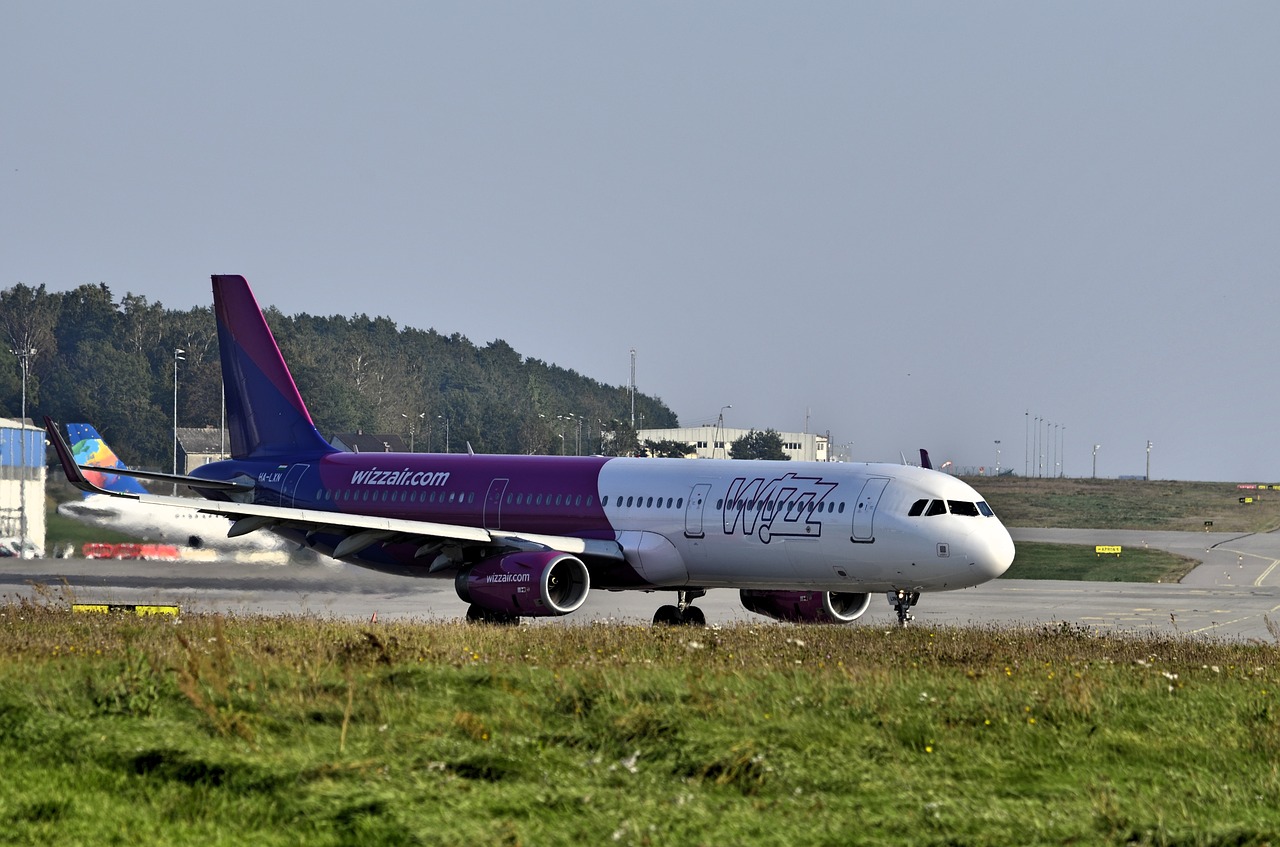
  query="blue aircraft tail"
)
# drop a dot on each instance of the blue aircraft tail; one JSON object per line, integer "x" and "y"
{"x": 88, "y": 448}
{"x": 266, "y": 417}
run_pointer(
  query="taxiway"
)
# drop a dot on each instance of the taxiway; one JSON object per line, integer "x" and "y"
{"x": 1234, "y": 594}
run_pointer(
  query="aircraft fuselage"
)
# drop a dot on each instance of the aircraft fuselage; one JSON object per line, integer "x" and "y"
{"x": 679, "y": 522}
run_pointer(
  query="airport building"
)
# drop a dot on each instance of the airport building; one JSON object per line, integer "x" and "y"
{"x": 201, "y": 445}
{"x": 22, "y": 479}
{"x": 713, "y": 442}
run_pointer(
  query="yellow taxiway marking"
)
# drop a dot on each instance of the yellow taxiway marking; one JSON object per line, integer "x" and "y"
{"x": 130, "y": 608}
{"x": 1257, "y": 583}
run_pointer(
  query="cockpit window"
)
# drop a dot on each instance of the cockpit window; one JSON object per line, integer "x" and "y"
{"x": 985, "y": 509}
{"x": 937, "y": 507}
{"x": 917, "y": 508}
{"x": 963, "y": 507}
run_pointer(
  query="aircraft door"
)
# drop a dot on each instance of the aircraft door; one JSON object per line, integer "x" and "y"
{"x": 693, "y": 510}
{"x": 493, "y": 504}
{"x": 864, "y": 511}
{"x": 289, "y": 488}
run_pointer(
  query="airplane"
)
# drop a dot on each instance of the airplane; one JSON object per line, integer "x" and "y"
{"x": 133, "y": 516}
{"x": 533, "y": 535}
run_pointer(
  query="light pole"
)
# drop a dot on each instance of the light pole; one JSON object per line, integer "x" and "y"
{"x": 1035, "y": 455}
{"x": 412, "y": 425}
{"x": 573, "y": 417}
{"x": 445, "y": 418}
{"x": 24, "y": 356}
{"x": 1062, "y": 453}
{"x": 1095, "y": 460}
{"x": 1026, "y": 443}
{"x": 997, "y": 457}
{"x": 718, "y": 444}
{"x": 1056, "y": 465}
{"x": 1148, "y": 461}
{"x": 177, "y": 357}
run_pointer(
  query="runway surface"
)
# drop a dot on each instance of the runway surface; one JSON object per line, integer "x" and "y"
{"x": 1229, "y": 596}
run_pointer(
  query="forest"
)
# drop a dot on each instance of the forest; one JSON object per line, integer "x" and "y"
{"x": 112, "y": 363}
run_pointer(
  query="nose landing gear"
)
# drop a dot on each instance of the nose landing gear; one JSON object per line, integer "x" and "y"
{"x": 902, "y": 601}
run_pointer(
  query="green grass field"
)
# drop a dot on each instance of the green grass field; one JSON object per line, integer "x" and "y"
{"x": 208, "y": 730}
{"x": 290, "y": 731}
{"x": 1074, "y": 561}
{"x": 1128, "y": 504}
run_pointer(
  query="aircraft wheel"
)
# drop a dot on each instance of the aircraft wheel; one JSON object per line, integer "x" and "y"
{"x": 479, "y": 614}
{"x": 667, "y": 616}
{"x": 693, "y": 616}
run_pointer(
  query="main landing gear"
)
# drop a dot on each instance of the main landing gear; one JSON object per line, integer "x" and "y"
{"x": 684, "y": 613}
{"x": 479, "y": 614}
{"x": 901, "y": 602}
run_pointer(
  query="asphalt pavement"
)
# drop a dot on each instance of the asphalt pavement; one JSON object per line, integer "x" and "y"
{"x": 1232, "y": 595}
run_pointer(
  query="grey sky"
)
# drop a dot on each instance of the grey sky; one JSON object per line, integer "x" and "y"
{"x": 927, "y": 223}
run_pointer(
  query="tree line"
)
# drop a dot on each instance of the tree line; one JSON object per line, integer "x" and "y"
{"x": 112, "y": 363}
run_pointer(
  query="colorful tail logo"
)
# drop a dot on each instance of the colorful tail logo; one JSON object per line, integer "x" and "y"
{"x": 88, "y": 448}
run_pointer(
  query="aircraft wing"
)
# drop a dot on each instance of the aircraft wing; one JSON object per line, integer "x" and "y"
{"x": 359, "y": 531}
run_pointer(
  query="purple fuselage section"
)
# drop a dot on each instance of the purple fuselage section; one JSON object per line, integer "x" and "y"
{"x": 557, "y": 496}
{"x": 514, "y": 494}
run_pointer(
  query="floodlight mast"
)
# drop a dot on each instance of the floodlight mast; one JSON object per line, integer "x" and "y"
{"x": 177, "y": 357}
{"x": 24, "y": 357}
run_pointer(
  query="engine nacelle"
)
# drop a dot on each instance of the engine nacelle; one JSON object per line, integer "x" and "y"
{"x": 526, "y": 583}
{"x": 806, "y": 606}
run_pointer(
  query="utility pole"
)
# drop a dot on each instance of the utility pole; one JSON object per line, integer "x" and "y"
{"x": 1061, "y": 453}
{"x": 24, "y": 356}
{"x": 633, "y": 388}
{"x": 1026, "y": 443}
{"x": 1095, "y": 460}
{"x": 1148, "y": 460}
{"x": 177, "y": 357}
{"x": 1035, "y": 449}
{"x": 717, "y": 444}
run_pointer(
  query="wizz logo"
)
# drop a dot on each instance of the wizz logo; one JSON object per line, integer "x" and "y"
{"x": 789, "y": 505}
{"x": 373, "y": 476}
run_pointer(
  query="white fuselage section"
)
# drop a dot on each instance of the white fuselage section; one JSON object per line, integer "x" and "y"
{"x": 153, "y": 522}
{"x": 835, "y": 527}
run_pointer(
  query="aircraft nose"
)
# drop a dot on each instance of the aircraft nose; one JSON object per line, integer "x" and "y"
{"x": 992, "y": 551}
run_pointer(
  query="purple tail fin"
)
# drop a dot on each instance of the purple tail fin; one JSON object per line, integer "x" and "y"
{"x": 265, "y": 413}
{"x": 924, "y": 459}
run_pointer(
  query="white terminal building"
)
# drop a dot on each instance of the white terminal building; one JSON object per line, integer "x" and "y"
{"x": 22, "y": 478}
{"x": 713, "y": 442}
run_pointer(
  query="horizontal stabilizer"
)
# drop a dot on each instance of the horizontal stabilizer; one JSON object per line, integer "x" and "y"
{"x": 75, "y": 471}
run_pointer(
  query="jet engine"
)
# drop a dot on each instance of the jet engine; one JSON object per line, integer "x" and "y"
{"x": 806, "y": 606}
{"x": 526, "y": 583}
